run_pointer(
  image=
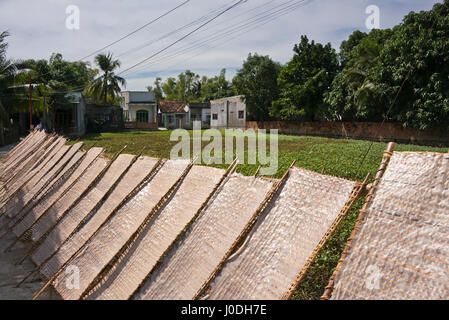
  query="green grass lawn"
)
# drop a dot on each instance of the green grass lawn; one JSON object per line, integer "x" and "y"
{"x": 337, "y": 157}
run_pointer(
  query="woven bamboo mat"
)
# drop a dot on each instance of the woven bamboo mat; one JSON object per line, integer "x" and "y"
{"x": 57, "y": 193}
{"x": 8, "y": 155}
{"x": 58, "y": 210}
{"x": 72, "y": 219}
{"x": 54, "y": 184}
{"x": 37, "y": 171}
{"x": 26, "y": 158}
{"x": 59, "y": 179}
{"x": 400, "y": 249}
{"x": 159, "y": 234}
{"x": 284, "y": 237}
{"x": 20, "y": 166}
{"x": 52, "y": 170}
{"x": 22, "y": 152}
{"x": 21, "y": 146}
{"x": 191, "y": 262}
{"x": 18, "y": 162}
{"x": 115, "y": 232}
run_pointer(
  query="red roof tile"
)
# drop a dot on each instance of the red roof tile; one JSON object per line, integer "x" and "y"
{"x": 172, "y": 106}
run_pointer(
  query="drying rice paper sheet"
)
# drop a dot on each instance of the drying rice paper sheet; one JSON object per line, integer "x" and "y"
{"x": 401, "y": 248}
{"x": 284, "y": 237}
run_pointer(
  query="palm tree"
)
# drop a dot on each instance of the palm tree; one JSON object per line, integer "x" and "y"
{"x": 356, "y": 74}
{"x": 106, "y": 87}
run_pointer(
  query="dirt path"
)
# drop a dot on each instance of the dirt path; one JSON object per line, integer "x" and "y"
{"x": 10, "y": 274}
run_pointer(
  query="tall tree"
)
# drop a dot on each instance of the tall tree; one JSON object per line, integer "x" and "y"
{"x": 419, "y": 51}
{"x": 304, "y": 80}
{"x": 347, "y": 46}
{"x": 187, "y": 87}
{"x": 216, "y": 87}
{"x": 190, "y": 87}
{"x": 257, "y": 82}
{"x": 157, "y": 89}
{"x": 7, "y": 69}
{"x": 106, "y": 87}
{"x": 52, "y": 79}
{"x": 169, "y": 89}
{"x": 352, "y": 91}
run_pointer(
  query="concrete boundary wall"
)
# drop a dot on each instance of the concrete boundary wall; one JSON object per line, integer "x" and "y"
{"x": 437, "y": 136}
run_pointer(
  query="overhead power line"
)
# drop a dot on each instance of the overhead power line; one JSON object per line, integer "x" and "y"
{"x": 183, "y": 37}
{"x": 228, "y": 22}
{"x": 176, "y": 31}
{"x": 257, "y": 20}
{"x": 235, "y": 36}
{"x": 160, "y": 51}
{"x": 135, "y": 31}
{"x": 124, "y": 37}
{"x": 240, "y": 29}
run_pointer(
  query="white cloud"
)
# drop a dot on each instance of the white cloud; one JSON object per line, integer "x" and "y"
{"x": 38, "y": 28}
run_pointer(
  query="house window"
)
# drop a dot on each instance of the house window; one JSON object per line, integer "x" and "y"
{"x": 241, "y": 114}
{"x": 215, "y": 116}
{"x": 142, "y": 116}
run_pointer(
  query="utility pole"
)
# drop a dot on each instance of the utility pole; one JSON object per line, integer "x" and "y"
{"x": 31, "y": 104}
{"x": 45, "y": 109}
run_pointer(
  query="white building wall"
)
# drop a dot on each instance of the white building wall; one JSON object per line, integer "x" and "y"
{"x": 227, "y": 111}
{"x": 125, "y": 100}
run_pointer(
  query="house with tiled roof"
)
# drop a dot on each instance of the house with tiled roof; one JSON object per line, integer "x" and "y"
{"x": 173, "y": 114}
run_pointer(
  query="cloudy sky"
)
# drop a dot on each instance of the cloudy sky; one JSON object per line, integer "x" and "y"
{"x": 269, "y": 27}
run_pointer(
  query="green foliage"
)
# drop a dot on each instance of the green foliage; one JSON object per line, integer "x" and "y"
{"x": 106, "y": 88}
{"x": 157, "y": 89}
{"x": 216, "y": 87}
{"x": 53, "y": 78}
{"x": 423, "y": 51}
{"x": 347, "y": 46}
{"x": 375, "y": 66}
{"x": 185, "y": 88}
{"x": 351, "y": 96}
{"x": 304, "y": 80}
{"x": 257, "y": 82}
{"x": 7, "y": 69}
{"x": 189, "y": 87}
